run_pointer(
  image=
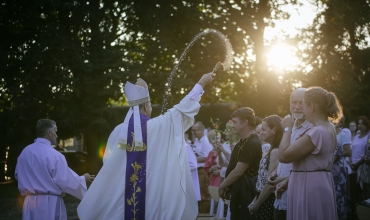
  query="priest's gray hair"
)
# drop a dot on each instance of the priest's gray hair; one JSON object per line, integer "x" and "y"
{"x": 42, "y": 126}
{"x": 141, "y": 106}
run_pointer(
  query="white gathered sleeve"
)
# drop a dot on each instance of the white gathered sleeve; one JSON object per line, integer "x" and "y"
{"x": 196, "y": 93}
{"x": 68, "y": 180}
{"x": 168, "y": 135}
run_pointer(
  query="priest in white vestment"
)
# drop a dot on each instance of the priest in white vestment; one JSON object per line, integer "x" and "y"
{"x": 164, "y": 171}
{"x": 44, "y": 177}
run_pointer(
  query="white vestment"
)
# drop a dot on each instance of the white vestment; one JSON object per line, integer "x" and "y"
{"x": 43, "y": 177}
{"x": 169, "y": 190}
{"x": 193, "y": 164}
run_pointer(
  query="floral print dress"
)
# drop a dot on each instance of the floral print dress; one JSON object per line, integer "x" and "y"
{"x": 266, "y": 211}
{"x": 340, "y": 176}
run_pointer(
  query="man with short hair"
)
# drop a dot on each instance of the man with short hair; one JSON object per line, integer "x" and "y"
{"x": 44, "y": 176}
{"x": 145, "y": 173}
{"x": 241, "y": 174}
{"x": 202, "y": 147}
{"x": 280, "y": 178}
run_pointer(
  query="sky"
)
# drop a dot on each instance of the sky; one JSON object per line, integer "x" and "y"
{"x": 301, "y": 16}
{"x": 281, "y": 56}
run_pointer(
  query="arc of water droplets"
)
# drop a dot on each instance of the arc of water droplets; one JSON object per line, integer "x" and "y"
{"x": 226, "y": 63}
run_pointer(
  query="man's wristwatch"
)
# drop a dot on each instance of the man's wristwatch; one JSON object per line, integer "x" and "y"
{"x": 286, "y": 129}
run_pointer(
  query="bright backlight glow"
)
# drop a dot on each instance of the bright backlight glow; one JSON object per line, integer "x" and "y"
{"x": 281, "y": 58}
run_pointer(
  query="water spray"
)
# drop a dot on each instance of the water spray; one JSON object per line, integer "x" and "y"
{"x": 225, "y": 65}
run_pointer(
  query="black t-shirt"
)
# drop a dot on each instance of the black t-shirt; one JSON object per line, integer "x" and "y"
{"x": 249, "y": 152}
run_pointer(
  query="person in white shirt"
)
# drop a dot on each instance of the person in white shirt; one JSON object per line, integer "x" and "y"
{"x": 359, "y": 163}
{"x": 44, "y": 176}
{"x": 202, "y": 147}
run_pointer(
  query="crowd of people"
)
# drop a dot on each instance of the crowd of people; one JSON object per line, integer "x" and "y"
{"x": 310, "y": 165}
{"x": 306, "y": 165}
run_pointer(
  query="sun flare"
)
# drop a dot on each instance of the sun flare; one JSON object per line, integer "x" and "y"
{"x": 281, "y": 58}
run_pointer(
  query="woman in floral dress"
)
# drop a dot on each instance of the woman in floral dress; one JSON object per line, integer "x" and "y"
{"x": 339, "y": 171}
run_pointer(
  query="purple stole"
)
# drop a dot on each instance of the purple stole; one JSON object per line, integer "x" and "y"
{"x": 135, "y": 175}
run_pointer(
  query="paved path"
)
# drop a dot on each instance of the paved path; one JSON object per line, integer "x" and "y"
{"x": 10, "y": 210}
{"x": 11, "y": 204}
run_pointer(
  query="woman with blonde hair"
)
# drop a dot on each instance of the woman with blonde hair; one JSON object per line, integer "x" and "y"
{"x": 311, "y": 193}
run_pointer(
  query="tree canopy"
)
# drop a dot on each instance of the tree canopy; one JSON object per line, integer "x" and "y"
{"x": 68, "y": 60}
{"x": 339, "y": 50}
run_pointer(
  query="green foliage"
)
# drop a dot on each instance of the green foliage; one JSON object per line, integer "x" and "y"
{"x": 67, "y": 60}
{"x": 340, "y": 54}
{"x": 58, "y": 61}
{"x": 167, "y": 26}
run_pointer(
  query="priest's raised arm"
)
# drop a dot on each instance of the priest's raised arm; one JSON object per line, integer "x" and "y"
{"x": 146, "y": 173}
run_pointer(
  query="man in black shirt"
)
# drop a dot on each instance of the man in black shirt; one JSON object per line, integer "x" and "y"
{"x": 241, "y": 174}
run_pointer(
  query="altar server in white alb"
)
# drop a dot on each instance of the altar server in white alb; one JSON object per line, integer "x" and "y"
{"x": 44, "y": 176}
{"x": 145, "y": 173}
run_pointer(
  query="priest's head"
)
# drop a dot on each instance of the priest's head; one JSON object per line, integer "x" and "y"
{"x": 138, "y": 94}
{"x": 139, "y": 101}
{"x": 46, "y": 128}
{"x": 146, "y": 108}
